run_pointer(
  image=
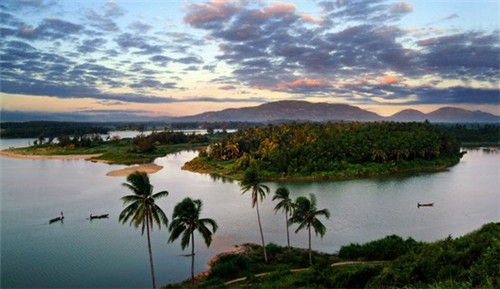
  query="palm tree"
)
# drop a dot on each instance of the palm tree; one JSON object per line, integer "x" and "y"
{"x": 252, "y": 182}
{"x": 142, "y": 210}
{"x": 286, "y": 205}
{"x": 185, "y": 221}
{"x": 306, "y": 215}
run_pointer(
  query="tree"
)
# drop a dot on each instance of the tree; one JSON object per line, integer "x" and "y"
{"x": 185, "y": 221}
{"x": 142, "y": 210}
{"x": 252, "y": 182}
{"x": 306, "y": 216}
{"x": 286, "y": 205}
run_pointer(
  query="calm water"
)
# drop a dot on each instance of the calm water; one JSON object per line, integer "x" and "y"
{"x": 105, "y": 253}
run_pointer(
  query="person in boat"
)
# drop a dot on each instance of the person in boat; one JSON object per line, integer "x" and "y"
{"x": 62, "y": 215}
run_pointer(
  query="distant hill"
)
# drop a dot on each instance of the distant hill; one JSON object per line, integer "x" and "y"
{"x": 286, "y": 110}
{"x": 408, "y": 115}
{"x": 445, "y": 114}
{"x": 303, "y": 110}
{"x": 272, "y": 111}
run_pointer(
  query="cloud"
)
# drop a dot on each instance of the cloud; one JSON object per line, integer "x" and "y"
{"x": 209, "y": 15}
{"x": 140, "y": 27}
{"x": 401, "y": 8}
{"x": 51, "y": 29}
{"x": 390, "y": 79}
{"x": 113, "y": 10}
{"x": 227, "y": 87}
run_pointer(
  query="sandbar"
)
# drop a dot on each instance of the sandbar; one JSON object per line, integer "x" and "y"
{"x": 42, "y": 157}
{"x": 147, "y": 168}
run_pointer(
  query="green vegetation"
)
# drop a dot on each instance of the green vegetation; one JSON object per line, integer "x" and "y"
{"x": 185, "y": 221}
{"x": 470, "y": 261}
{"x": 141, "y": 209}
{"x": 253, "y": 182}
{"x": 475, "y": 134}
{"x": 141, "y": 149}
{"x": 306, "y": 215}
{"x": 330, "y": 150}
{"x": 286, "y": 205}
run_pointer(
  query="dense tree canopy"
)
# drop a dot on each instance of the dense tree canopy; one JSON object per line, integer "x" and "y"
{"x": 292, "y": 149}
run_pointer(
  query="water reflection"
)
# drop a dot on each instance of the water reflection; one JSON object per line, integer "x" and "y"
{"x": 222, "y": 179}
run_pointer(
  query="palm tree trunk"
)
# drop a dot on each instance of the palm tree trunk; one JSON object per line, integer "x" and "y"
{"x": 310, "y": 256}
{"x": 287, "y": 231}
{"x": 150, "y": 253}
{"x": 192, "y": 258}
{"x": 261, "y": 233}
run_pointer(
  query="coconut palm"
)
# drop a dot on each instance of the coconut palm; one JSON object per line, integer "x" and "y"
{"x": 286, "y": 205}
{"x": 306, "y": 216}
{"x": 252, "y": 182}
{"x": 185, "y": 221}
{"x": 142, "y": 210}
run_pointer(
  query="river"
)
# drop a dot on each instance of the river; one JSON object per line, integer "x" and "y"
{"x": 104, "y": 253}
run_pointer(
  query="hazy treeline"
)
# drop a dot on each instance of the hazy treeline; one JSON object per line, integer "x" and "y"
{"x": 41, "y": 129}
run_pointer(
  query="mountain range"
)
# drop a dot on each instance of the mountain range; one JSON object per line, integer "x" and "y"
{"x": 272, "y": 111}
{"x": 303, "y": 110}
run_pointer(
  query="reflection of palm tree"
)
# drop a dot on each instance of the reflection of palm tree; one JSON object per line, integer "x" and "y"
{"x": 142, "y": 210}
{"x": 306, "y": 215}
{"x": 185, "y": 221}
{"x": 285, "y": 204}
{"x": 252, "y": 181}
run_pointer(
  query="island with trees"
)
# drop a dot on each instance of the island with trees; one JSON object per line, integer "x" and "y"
{"x": 138, "y": 150}
{"x": 330, "y": 150}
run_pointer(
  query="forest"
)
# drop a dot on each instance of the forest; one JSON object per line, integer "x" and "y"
{"x": 330, "y": 150}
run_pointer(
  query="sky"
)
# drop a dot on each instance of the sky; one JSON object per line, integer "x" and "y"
{"x": 176, "y": 58}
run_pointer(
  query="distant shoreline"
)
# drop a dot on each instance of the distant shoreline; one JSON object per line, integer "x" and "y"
{"x": 42, "y": 157}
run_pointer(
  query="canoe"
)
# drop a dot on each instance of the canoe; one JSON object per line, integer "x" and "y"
{"x": 99, "y": 216}
{"x": 425, "y": 205}
{"x": 56, "y": 219}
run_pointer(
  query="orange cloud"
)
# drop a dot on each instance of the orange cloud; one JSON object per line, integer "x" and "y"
{"x": 278, "y": 9}
{"x": 304, "y": 82}
{"x": 391, "y": 79}
{"x": 200, "y": 14}
{"x": 309, "y": 18}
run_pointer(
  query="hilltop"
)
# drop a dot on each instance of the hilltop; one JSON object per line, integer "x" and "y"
{"x": 303, "y": 110}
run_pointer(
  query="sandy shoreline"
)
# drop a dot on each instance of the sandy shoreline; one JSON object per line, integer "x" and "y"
{"x": 147, "y": 168}
{"x": 42, "y": 157}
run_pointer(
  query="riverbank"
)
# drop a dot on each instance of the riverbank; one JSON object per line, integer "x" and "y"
{"x": 10, "y": 154}
{"x": 230, "y": 169}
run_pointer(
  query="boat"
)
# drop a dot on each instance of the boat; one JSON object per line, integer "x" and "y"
{"x": 425, "y": 205}
{"x": 60, "y": 218}
{"x": 99, "y": 216}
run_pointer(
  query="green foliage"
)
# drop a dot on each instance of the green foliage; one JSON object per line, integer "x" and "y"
{"x": 337, "y": 150}
{"x": 388, "y": 248}
{"x": 229, "y": 266}
{"x": 472, "y": 259}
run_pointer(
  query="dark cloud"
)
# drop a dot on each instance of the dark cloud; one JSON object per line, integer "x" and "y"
{"x": 91, "y": 45}
{"x": 269, "y": 46}
{"x": 51, "y": 29}
{"x": 127, "y": 41}
{"x": 101, "y": 22}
